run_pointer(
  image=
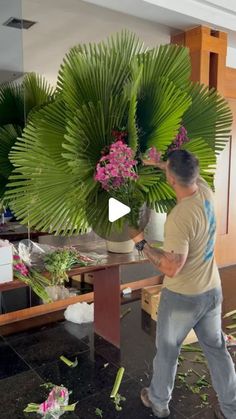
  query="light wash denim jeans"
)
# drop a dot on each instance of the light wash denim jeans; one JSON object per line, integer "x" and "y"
{"x": 177, "y": 315}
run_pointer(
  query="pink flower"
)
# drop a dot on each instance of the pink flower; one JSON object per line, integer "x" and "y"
{"x": 180, "y": 139}
{"x": 153, "y": 154}
{"x": 117, "y": 166}
{"x": 21, "y": 268}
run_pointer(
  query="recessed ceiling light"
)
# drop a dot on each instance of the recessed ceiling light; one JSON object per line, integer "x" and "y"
{"x": 16, "y": 23}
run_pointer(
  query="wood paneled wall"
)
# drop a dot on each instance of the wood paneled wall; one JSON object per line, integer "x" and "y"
{"x": 208, "y": 49}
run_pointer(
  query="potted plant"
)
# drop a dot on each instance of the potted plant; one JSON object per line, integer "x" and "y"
{"x": 108, "y": 93}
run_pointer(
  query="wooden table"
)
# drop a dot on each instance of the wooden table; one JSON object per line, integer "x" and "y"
{"x": 106, "y": 276}
{"x": 107, "y": 292}
{"x": 13, "y": 231}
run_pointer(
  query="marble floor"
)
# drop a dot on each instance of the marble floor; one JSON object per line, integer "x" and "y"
{"x": 31, "y": 358}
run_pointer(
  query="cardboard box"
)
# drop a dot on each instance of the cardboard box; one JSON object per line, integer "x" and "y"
{"x": 6, "y": 255}
{"x": 147, "y": 293}
{"x": 155, "y": 301}
{"x": 88, "y": 278}
{"x": 6, "y": 273}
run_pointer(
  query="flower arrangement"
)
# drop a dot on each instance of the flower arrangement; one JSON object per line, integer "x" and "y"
{"x": 90, "y": 157}
{"x": 55, "y": 406}
{"x": 31, "y": 277}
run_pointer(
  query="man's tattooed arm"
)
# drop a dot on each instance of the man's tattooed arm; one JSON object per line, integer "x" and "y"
{"x": 168, "y": 263}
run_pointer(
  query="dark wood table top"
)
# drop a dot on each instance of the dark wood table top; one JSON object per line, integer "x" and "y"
{"x": 13, "y": 231}
{"x": 95, "y": 247}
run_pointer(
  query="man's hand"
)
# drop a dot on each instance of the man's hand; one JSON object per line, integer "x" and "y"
{"x": 151, "y": 162}
{"x": 136, "y": 235}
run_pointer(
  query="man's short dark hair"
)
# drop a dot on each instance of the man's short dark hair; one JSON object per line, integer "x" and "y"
{"x": 184, "y": 165}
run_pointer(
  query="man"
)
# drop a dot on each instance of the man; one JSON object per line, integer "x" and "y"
{"x": 191, "y": 295}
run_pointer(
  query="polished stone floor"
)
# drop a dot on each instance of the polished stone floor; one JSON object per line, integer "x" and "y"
{"x": 29, "y": 359}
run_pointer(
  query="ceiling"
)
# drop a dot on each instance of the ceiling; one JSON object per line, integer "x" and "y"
{"x": 63, "y": 23}
{"x": 219, "y": 14}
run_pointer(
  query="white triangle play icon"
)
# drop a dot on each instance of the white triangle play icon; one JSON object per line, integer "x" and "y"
{"x": 117, "y": 210}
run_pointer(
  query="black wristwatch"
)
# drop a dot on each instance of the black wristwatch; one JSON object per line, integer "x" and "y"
{"x": 140, "y": 245}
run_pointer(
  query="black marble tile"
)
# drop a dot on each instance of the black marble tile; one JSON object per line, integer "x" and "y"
{"x": 90, "y": 376}
{"x": 10, "y": 362}
{"x": 137, "y": 345}
{"x": 32, "y": 331}
{"x": 143, "y": 376}
{"x": 47, "y": 345}
{"x": 17, "y": 392}
{"x": 183, "y": 399}
{"x": 91, "y": 381}
{"x": 132, "y": 407}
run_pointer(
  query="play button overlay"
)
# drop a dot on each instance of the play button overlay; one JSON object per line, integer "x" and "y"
{"x": 116, "y": 210}
{"x": 116, "y": 214}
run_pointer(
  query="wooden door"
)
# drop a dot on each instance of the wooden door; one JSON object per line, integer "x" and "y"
{"x": 225, "y": 184}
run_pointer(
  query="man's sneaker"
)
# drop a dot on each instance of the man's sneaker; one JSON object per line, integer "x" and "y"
{"x": 158, "y": 411}
{"x": 218, "y": 414}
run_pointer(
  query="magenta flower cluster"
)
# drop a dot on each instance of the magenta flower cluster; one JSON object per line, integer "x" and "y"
{"x": 116, "y": 167}
{"x": 153, "y": 154}
{"x": 19, "y": 266}
{"x": 180, "y": 139}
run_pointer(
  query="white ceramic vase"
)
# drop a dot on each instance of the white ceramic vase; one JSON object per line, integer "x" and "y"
{"x": 126, "y": 246}
{"x": 155, "y": 227}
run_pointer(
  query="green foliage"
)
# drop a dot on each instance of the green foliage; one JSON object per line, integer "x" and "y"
{"x": 18, "y": 102}
{"x": 115, "y": 84}
{"x": 59, "y": 262}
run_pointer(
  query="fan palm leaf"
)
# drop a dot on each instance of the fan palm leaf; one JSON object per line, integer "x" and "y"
{"x": 52, "y": 188}
{"x": 169, "y": 61}
{"x": 159, "y": 114}
{"x": 209, "y": 117}
{"x": 18, "y": 101}
{"x": 12, "y": 109}
{"x": 8, "y": 135}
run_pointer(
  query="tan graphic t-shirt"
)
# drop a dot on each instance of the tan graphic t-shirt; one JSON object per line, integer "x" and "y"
{"x": 191, "y": 227}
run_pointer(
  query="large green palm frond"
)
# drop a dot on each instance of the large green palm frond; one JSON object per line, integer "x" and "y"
{"x": 160, "y": 113}
{"x": 8, "y": 135}
{"x": 17, "y": 102}
{"x": 90, "y": 131}
{"x": 209, "y": 117}
{"x": 169, "y": 61}
{"x": 53, "y": 191}
{"x": 37, "y": 92}
{"x": 162, "y": 94}
{"x": 12, "y": 109}
{"x": 156, "y": 192}
{"x": 95, "y": 72}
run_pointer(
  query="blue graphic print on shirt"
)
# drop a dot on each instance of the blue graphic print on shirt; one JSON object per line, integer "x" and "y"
{"x": 209, "y": 211}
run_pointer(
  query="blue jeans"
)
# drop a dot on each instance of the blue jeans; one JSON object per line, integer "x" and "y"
{"x": 177, "y": 315}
